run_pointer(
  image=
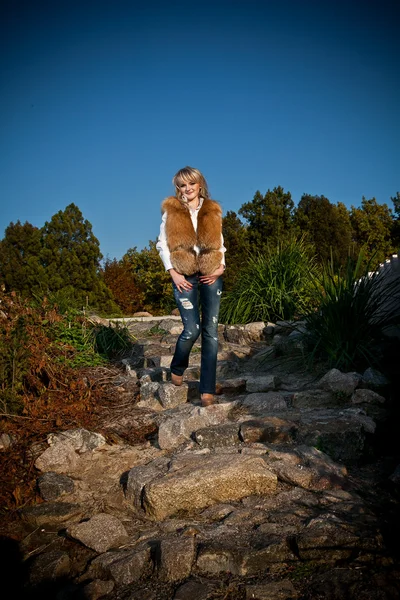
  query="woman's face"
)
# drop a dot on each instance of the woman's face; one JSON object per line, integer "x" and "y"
{"x": 190, "y": 189}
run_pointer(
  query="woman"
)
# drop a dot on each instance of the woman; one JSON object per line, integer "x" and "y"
{"x": 191, "y": 247}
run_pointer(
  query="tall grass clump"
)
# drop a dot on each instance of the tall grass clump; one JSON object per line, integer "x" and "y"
{"x": 355, "y": 308}
{"x": 273, "y": 285}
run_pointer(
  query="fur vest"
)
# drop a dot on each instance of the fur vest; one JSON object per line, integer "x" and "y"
{"x": 182, "y": 238}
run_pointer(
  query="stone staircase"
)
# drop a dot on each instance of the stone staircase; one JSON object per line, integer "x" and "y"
{"x": 247, "y": 498}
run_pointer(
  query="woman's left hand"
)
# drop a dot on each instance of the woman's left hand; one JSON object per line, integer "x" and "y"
{"x": 210, "y": 279}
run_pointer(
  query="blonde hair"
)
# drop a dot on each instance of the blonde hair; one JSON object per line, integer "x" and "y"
{"x": 190, "y": 174}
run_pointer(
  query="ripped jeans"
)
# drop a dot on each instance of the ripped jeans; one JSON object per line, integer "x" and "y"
{"x": 188, "y": 304}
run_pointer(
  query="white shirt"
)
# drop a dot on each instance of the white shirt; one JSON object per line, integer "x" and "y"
{"x": 162, "y": 245}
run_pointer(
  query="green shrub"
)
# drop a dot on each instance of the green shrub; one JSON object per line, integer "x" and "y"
{"x": 274, "y": 285}
{"x": 346, "y": 331}
{"x": 113, "y": 341}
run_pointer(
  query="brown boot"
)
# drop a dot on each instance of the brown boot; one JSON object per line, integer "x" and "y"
{"x": 176, "y": 379}
{"x": 207, "y": 399}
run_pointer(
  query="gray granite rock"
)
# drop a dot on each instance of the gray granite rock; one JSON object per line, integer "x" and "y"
{"x": 317, "y": 399}
{"x": 262, "y": 383}
{"x": 261, "y": 404}
{"x": 80, "y": 439}
{"x": 53, "y": 485}
{"x": 59, "y": 458}
{"x": 340, "y": 383}
{"x": 142, "y": 474}
{"x": 124, "y": 566}
{"x": 276, "y": 590}
{"x": 54, "y": 513}
{"x": 207, "y": 480}
{"x": 177, "y": 557}
{"x": 268, "y": 429}
{"x": 178, "y": 425}
{"x": 100, "y": 533}
{"x": 217, "y": 436}
{"x": 97, "y": 589}
{"x": 374, "y": 379}
{"x": 49, "y": 566}
{"x": 194, "y": 590}
{"x": 171, "y": 395}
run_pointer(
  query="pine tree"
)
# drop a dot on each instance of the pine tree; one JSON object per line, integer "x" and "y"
{"x": 372, "y": 226}
{"x": 237, "y": 247}
{"x": 20, "y": 260}
{"x": 269, "y": 217}
{"x": 71, "y": 257}
{"x": 327, "y": 227}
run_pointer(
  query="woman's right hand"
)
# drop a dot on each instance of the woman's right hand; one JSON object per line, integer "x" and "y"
{"x": 180, "y": 281}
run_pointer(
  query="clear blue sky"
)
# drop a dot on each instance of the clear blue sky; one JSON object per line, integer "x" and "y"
{"x": 103, "y": 101}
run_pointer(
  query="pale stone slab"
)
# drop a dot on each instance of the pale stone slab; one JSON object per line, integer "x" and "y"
{"x": 208, "y": 480}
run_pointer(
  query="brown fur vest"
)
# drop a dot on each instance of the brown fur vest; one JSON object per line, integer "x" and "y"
{"x": 181, "y": 236}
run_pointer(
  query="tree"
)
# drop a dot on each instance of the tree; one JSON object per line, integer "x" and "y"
{"x": 20, "y": 260}
{"x": 396, "y": 221}
{"x": 237, "y": 247}
{"x": 120, "y": 279}
{"x": 71, "y": 257}
{"x": 153, "y": 281}
{"x": 268, "y": 217}
{"x": 327, "y": 226}
{"x": 372, "y": 229}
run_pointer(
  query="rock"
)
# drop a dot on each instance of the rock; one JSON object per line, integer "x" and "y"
{"x": 52, "y": 485}
{"x": 178, "y": 426}
{"x": 217, "y": 512}
{"x": 327, "y": 538}
{"x": 255, "y": 331}
{"x": 317, "y": 399}
{"x": 365, "y": 396}
{"x": 261, "y": 404}
{"x": 171, "y": 395}
{"x": 227, "y": 369}
{"x": 217, "y": 436}
{"x": 231, "y": 386}
{"x": 6, "y": 441}
{"x": 206, "y": 481}
{"x": 342, "y": 436}
{"x": 97, "y": 589}
{"x": 129, "y": 369}
{"x": 245, "y": 334}
{"x": 193, "y": 590}
{"x": 140, "y": 475}
{"x": 340, "y": 383}
{"x": 176, "y": 329}
{"x": 60, "y": 458}
{"x": 149, "y": 395}
{"x": 124, "y": 566}
{"x": 80, "y": 439}
{"x": 306, "y": 467}
{"x": 177, "y": 557}
{"x": 229, "y": 556}
{"x": 54, "y": 513}
{"x": 276, "y": 590}
{"x": 264, "y": 383}
{"x": 374, "y": 379}
{"x": 170, "y": 324}
{"x": 142, "y": 313}
{"x": 371, "y": 403}
{"x": 100, "y": 533}
{"x": 49, "y": 566}
{"x": 269, "y": 429}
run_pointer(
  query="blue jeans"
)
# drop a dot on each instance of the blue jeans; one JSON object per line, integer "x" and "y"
{"x": 188, "y": 304}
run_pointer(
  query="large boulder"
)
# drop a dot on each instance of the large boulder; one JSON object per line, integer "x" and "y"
{"x": 207, "y": 480}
